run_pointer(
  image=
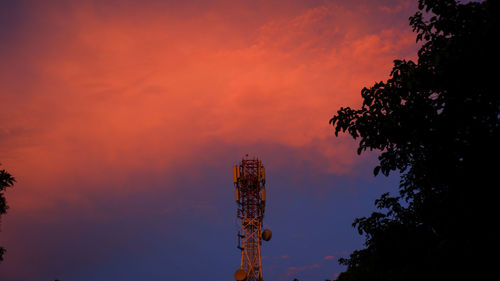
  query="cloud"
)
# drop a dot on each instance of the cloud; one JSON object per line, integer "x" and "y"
{"x": 127, "y": 111}
{"x": 292, "y": 270}
{"x": 141, "y": 94}
{"x": 328, "y": 257}
{"x": 104, "y": 96}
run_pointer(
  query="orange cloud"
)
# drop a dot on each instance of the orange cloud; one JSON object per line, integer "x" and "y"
{"x": 117, "y": 115}
{"x": 118, "y": 93}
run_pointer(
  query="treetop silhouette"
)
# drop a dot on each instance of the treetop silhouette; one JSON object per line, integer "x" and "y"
{"x": 436, "y": 122}
{"x": 6, "y": 180}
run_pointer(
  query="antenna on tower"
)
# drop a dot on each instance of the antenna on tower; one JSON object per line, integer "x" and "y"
{"x": 249, "y": 180}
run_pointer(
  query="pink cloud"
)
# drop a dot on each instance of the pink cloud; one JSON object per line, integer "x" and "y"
{"x": 293, "y": 270}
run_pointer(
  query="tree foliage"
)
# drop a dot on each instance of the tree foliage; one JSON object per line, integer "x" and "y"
{"x": 437, "y": 123}
{"x": 6, "y": 180}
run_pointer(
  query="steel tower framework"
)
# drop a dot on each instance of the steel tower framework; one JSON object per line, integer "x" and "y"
{"x": 250, "y": 192}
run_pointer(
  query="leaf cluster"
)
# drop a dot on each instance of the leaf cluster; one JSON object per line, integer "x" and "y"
{"x": 6, "y": 180}
{"x": 436, "y": 122}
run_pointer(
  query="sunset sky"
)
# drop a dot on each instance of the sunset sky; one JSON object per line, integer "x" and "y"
{"x": 121, "y": 120}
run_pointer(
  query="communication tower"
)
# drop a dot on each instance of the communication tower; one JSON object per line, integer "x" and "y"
{"x": 250, "y": 191}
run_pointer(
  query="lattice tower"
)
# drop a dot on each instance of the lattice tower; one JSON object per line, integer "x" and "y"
{"x": 249, "y": 181}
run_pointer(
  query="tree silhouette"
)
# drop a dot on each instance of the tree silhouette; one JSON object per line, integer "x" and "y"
{"x": 6, "y": 180}
{"x": 437, "y": 123}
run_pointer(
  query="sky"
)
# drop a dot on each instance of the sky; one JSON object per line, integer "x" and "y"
{"x": 121, "y": 121}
